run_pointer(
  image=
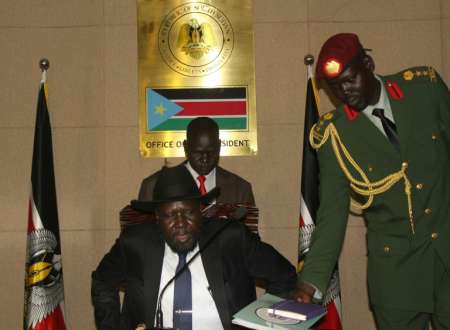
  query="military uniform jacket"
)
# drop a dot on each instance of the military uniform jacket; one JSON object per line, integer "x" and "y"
{"x": 400, "y": 264}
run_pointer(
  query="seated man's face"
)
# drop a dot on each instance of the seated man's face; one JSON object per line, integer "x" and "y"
{"x": 180, "y": 223}
{"x": 202, "y": 152}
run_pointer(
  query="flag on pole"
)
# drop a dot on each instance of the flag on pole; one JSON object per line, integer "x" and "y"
{"x": 309, "y": 203}
{"x": 44, "y": 290}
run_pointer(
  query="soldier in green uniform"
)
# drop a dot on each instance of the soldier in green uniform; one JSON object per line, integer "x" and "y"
{"x": 388, "y": 145}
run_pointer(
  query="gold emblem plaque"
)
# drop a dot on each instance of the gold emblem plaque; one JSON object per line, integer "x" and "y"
{"x": 196, "y": 58}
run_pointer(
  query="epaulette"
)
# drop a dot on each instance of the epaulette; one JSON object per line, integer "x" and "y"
{"x": 318, "y": 129}
{"x": 419, "y": 74}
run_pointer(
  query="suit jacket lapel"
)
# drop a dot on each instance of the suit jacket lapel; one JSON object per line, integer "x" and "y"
{"x": 152, "y": 275}
{"x": 212, "y": 263}
{"x": 221, "y": 182}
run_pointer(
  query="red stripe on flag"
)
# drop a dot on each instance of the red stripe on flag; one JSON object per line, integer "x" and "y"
{"x": 301, "y": 222}
{"x": 331, "y": 321}
{"x": 55, "y": 321}
{"x": 213, "y": 108}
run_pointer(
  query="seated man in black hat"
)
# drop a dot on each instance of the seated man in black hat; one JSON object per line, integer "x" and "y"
{"x": 214, "y": 286}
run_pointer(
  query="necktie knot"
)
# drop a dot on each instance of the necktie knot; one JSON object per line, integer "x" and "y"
{"x": 378, "y": 112}
{"x": 181, "y": 259}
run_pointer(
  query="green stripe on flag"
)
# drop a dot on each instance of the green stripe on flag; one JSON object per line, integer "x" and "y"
{"x": 180, "y": 124}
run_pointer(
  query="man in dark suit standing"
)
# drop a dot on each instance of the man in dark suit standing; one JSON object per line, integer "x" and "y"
{"x": 214, "y": 286}
{"x": 202, "y": 149}
{"x": 388, "y": 144}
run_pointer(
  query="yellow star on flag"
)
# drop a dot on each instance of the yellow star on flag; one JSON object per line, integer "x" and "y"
{"x": 160, "y": 110}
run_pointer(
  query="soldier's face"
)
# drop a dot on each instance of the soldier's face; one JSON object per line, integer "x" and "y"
{"x": 180, "y": 223}
{"x": 356, "y": 86}
{"x": 202, "y": 151}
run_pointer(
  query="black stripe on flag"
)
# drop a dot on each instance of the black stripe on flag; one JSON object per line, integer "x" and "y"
{"x": 203, "y": 93}
{"x": 310, "y": 166}
{"x": 42, "y": 173}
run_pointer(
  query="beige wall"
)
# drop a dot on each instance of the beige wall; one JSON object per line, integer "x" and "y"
{"x": 93, "y": 102}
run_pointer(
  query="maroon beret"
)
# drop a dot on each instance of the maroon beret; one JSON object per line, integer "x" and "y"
{"x": 337, "y": 53}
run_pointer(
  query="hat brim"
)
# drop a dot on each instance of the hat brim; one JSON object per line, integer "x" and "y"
{"x": 150, "y": 206}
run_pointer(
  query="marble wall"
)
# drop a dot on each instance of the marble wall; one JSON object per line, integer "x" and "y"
{"x": 92, "y": 46}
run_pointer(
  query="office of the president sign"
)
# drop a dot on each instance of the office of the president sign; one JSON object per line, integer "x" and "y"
{"x": 196, "y": 59}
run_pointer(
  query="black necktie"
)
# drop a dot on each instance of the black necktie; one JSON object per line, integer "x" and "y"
{"x": 182, "y": 302}
{"x": 389, "y": 127}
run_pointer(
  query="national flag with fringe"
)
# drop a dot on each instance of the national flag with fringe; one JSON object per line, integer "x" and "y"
{"x": 309, "y": 204}
{"x": 44, "y": 290}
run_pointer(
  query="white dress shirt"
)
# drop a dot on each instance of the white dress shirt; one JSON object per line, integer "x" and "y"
{"x": 210, "y": 178}
{"x": 383, "y": 103}
{"x": 204, "y": 311}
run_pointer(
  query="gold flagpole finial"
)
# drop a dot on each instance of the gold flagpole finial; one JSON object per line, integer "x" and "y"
{"x": 44, "y": 64}
{"x": 308, "y": 59}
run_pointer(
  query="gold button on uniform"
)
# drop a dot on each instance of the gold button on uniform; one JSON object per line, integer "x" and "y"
{"x": 434, "y": 235}
{"x": 419, "y": 186}
{"x": 387, "y": 249}
{"x": 434, "y": 137}
{"x": 370, "y": 168}
{"x": 428, "y": 211}
{"x": 405, "y": 164}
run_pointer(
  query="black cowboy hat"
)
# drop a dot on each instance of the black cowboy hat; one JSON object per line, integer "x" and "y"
{"x": 174, "y": 184}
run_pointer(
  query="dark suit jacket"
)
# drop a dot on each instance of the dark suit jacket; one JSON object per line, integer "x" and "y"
{"x": 232, "y": 262}
{"x": 233, "y": 188}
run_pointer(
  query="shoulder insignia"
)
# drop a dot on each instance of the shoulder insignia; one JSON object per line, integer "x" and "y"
{"x": 408, "y": 75}
{"x": 422, "y": 72}
{"x": 432, "y": 74}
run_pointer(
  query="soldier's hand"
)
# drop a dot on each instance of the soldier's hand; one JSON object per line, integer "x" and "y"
{"x": 304, "y": 293}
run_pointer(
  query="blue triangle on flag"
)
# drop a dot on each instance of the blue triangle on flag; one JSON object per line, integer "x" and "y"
{"x": 159, "y": 109}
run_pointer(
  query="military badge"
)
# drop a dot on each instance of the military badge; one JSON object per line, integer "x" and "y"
{"x": 408, "y": 75}
{"x": 332, "y": 68}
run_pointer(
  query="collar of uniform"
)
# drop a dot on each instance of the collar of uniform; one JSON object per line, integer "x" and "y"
{"x": 383, "y": 103}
